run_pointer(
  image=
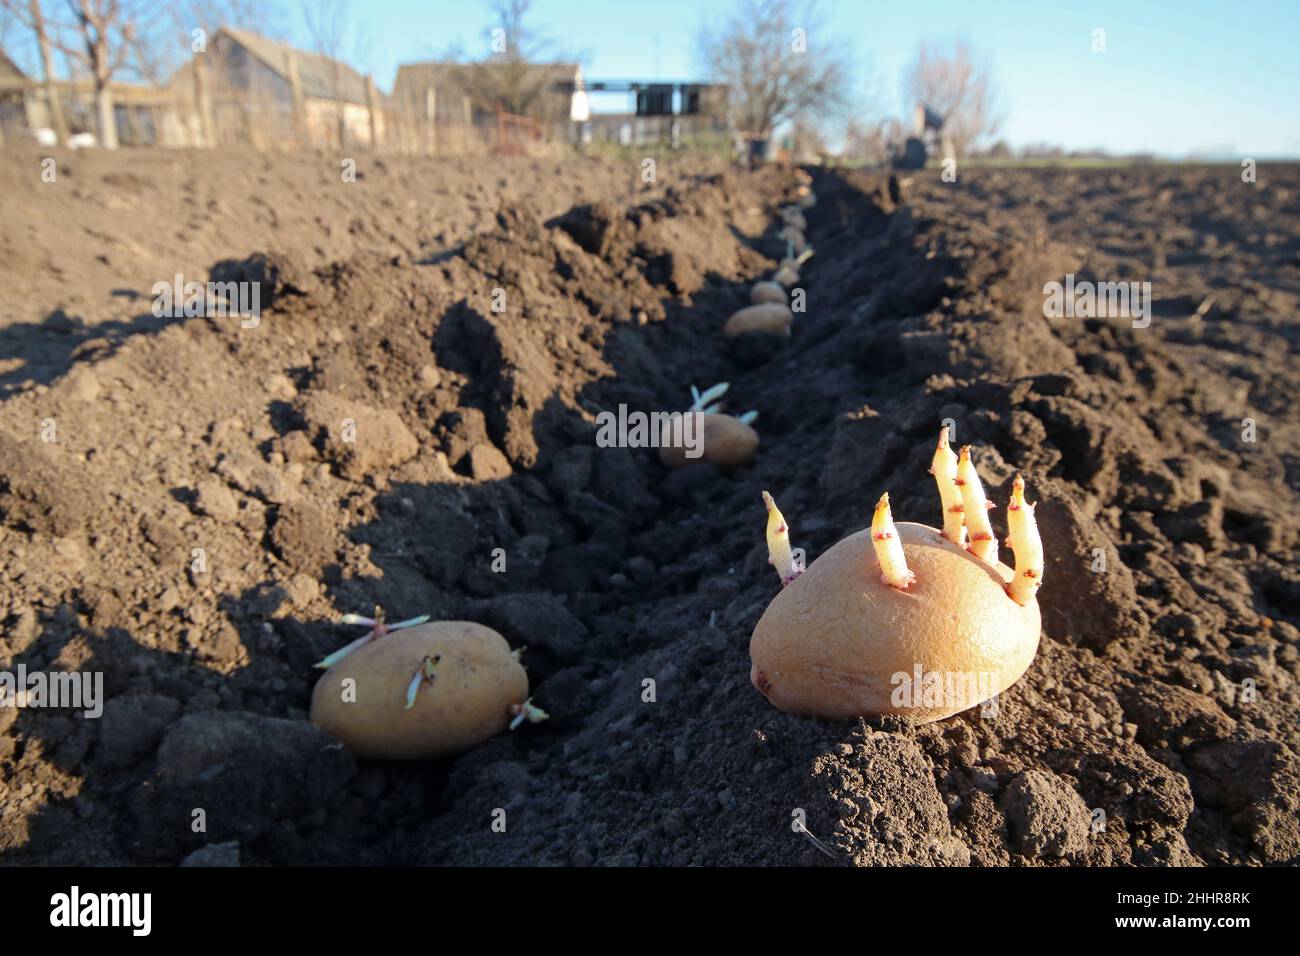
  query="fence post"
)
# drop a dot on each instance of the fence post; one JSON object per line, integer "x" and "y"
{"x": 295, "y": 87}
{"x": 372, "y": 107}
{"x": 431, "y": 117}
{"x": 203, "y": 97}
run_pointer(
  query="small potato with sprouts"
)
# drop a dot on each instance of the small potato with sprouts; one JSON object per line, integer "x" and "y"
{"x": 787, "y": 272}
{"x": 903, "y": 618}
{"x": 704, "y": 434}
{"x": 768, "y": 292}
{"x": 773, "y": 318}
{"x": 419, "y": 690}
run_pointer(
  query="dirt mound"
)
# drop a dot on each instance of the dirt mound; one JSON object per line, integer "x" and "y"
{"x": 399, "y": 424}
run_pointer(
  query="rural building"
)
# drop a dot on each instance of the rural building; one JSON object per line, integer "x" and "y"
{"x": 13, "y": 114}
{"x": 249, "y": 88}
{"x": 138, "y": 110}
{"x": 662, "y": 113}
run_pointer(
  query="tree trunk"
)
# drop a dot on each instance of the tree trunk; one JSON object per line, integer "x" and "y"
{"x": 54, "y": 107}
{"x": 107, "y": 119}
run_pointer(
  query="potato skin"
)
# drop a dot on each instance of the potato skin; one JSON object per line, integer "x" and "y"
{"x": 831, "y": 642}
{"x": 468, "y": 702}
{"x": 773, "y": 317}
{"x": 728, "y": 443}
{"x": 768, "y": 291}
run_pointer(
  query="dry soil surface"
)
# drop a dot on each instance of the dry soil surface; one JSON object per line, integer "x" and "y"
{"x": 1158, "y": 725}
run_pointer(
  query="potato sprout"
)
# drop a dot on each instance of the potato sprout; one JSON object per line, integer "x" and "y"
{"x": 975, "y": 510}
{"x": 1023, "y": 540}
{"x": 889, "y": 548}
{"x": 944, "y": 469}
{"x": 779, "y": 554}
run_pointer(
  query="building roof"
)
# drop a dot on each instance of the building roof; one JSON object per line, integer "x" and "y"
{"x": 9, "y": 69}
{"x": 414, "y": 78}
{"x": 317, "y": 73}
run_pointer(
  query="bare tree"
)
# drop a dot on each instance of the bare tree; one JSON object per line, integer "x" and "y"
{"x": 102, "y": 39}
{"x": 870, "y": 142}
{"x": 34, "y": 19}
{"x": 30, "y": 15}
{"x": 107, "y": 31}
{"x": 956, "y": 83}
{"x": 780, "y": 63}
{"x": 509, "y": 76}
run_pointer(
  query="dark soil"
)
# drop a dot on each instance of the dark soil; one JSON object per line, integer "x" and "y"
{"x": 1158, "y": 725}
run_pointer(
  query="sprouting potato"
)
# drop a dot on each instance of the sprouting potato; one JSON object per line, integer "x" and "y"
{"x": 768, "y": 291}
{"x": 429, "y": 690}
{"x": 787, "y": 273}
{"x": 728, "y": 443}
{"x": 899, "y": 619}
{"x": 771, "y": 317}
{"x": 723, "y": 440}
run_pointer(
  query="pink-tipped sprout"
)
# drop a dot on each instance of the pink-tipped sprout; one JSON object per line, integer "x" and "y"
{"x": 1023, "y": 539}
{"x": 889, "y": 547}
{"x": 779, "y": 553}
{"x": 944, "y": 468}
{"x": 975, "y": 509}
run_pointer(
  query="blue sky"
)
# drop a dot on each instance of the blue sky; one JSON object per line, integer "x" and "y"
{"x": 1207, "y": 78}
{"x": 1192, "y": 77}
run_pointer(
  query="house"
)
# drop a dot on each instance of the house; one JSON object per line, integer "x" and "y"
{"x": 662, "y": 112}
{"x": 13, "y": 116}
{"x": 247, "y": 87}
{"x": 25, "y": 108}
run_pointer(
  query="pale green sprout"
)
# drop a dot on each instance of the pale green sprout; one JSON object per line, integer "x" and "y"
{"x": 706, "y": 402}
{"x": 425, "y": 672}
{"x": 377, "y": 630}
{"x": 527, "y": 711}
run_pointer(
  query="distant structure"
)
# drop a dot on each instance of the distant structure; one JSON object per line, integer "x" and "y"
{"x": 13, "y": 113}
{"x": 250, "y": 88}
{"x": 927, "y": 138}
{"x": 661, "y": 113}
{"x": 25, "y": 108}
